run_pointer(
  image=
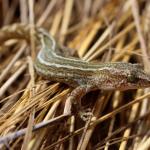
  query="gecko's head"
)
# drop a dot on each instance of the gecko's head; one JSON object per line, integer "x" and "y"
{"x": 123, "y": 76}
{"x": 135, "y": 79}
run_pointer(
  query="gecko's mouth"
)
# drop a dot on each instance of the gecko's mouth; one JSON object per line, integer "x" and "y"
{"x": 144, "y": 83}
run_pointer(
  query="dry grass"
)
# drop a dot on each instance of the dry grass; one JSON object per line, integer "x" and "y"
{"x": 33, "y": 110}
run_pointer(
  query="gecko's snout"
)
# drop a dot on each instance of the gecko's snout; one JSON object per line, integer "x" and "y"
{"x": 145, "y": 80}
{"x": 139, "y": 79}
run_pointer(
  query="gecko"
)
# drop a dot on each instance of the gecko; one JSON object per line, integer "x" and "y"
{"x": 83, "y": 76}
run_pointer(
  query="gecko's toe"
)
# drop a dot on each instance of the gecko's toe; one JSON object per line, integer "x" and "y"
{"x": 85, "y": 114}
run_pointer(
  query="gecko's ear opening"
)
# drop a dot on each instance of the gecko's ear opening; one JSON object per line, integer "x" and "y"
{"x": 139, "y": 66}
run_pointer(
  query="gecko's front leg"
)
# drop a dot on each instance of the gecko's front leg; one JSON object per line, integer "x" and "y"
{"x": 75, "y": 97}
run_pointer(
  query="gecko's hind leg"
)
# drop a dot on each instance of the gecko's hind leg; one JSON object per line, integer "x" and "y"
{"x": 76, "y": 96}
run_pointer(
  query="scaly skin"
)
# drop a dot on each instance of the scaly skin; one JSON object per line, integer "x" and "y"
{"x": 78, "y": 73}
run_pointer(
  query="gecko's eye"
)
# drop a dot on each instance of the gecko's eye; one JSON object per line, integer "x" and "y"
{"x": 132, "y": 78}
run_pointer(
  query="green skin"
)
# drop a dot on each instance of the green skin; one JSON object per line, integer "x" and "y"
{"x": 85, "y": 76}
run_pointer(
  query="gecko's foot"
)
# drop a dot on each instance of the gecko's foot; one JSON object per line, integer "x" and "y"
{"x": 85, "y": 114}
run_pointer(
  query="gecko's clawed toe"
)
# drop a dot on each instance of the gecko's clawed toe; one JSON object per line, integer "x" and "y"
{"x": 85, "y": 114}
